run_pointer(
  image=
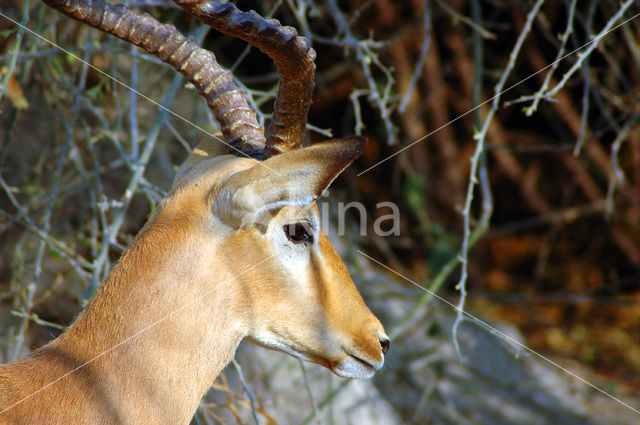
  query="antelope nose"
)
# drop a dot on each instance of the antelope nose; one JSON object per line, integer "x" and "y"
{"x": 385, "y": 343}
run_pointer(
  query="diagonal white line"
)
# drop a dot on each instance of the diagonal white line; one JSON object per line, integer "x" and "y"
{"x": 175, "y": 114}
{"x": 505, "y": 336}
{"x": 495, "y": 96}
{"x": 140, "y": 332}
{"x": 217, "y": 287}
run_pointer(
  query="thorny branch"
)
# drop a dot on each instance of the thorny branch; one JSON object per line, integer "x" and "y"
{"x": 480, "y": 138}
{"x": 79, "y": 197}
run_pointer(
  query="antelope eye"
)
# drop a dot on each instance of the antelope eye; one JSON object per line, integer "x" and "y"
{"x": 298, "y": 233}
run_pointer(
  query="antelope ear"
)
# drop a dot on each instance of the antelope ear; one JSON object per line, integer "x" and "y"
{"x": 296, "y": 177}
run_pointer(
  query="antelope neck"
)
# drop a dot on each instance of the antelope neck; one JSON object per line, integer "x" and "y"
{"x": 145, "y": 323}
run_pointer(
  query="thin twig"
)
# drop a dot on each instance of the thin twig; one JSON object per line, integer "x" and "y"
{"x": 480, "y": 138}
{"x": 37, "y": 320}
{"x": 365, "y": 55}
{"x": 563, "y": 42}
{"x": 246, "y": 389}
{"x": 582, "y": 56}
{"x": 617, "y": 174}
{"x": 307, "y": 384}
{"x": 328, "y": 398}
{"x": 139, "y": 168}
{"x": 485, "y": 33}
{"x": 426, "y": 42}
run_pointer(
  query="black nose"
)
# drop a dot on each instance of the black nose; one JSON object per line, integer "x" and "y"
{"x": 385, "y": 344}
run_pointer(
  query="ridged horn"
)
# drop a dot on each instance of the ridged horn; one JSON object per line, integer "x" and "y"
{"x": 238, "y": 121}
{"x": 291, "y": 53}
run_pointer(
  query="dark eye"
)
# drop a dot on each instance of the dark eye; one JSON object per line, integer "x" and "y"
{"x": 298, "y": 233}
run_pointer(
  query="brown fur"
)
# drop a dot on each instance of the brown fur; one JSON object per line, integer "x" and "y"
{"x": 172, "y": 312}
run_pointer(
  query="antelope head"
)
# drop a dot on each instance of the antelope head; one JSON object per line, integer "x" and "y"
{"x": 256, "y": 205}
{"x": 301, "y": 300}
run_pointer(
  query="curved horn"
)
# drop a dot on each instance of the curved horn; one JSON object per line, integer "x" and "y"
{"x": 292, "y": 54}
{"x": 238, "y": 121}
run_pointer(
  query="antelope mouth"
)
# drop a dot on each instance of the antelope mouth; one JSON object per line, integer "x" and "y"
{"x": 365, "y": 363}
{"x": 353, "y": 366}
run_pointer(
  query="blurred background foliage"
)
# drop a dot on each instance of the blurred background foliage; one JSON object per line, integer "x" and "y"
{"x": 549, "y": 236}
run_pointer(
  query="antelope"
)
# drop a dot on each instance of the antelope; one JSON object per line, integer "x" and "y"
{"x": 234, "y": 251}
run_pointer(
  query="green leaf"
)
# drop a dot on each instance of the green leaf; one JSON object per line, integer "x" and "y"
{"x": 6, "y": 33}
{"x": 94, "y": 92}
{"x": 54, "y": 254}
{"x": 414, "y": 192}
